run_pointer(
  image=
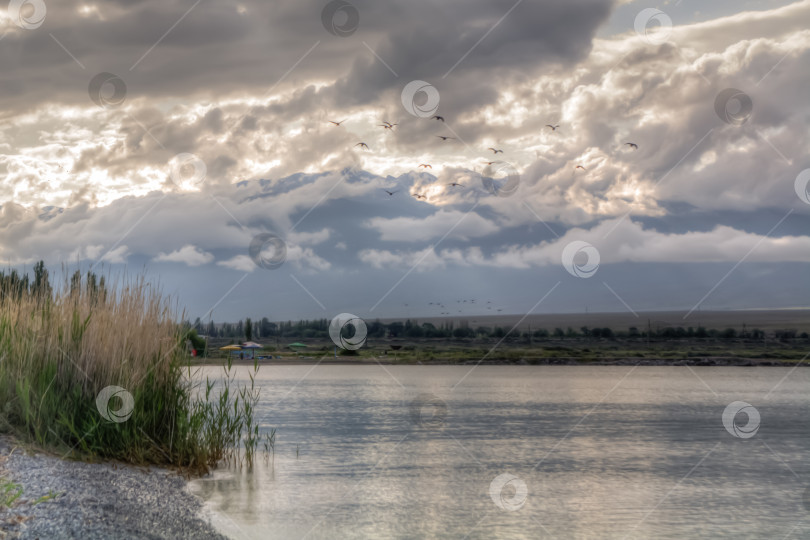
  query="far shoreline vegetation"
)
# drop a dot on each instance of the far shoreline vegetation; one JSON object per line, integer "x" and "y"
{"x": 68, "y": 352}
{"x": 460, "y": 342}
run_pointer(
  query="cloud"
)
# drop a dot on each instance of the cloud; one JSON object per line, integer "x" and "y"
{"x": 310, "y": 238}
{"x": 243, "y": 263}
{"x": 617, "y": 241}
{"x": 464, "y": 225}
{"x": 188, "y": 254}
{"x": 117, "y": 255}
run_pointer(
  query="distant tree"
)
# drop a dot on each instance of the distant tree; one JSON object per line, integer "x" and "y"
{"x": 462, "y": 332}
{"x": 248, "y": 329}
{"x": 395, "y": 329}
{"x": 729, "y": 333}
{"x": 375, "y": 329}
{"x": 586, "y": 331}
{"x": 42, "y": 285}
{"x": 559, "y": 332}
{"x": 266, "y": 327}
{"x": 415, "y": 331}
{"x": 430, "y": 330}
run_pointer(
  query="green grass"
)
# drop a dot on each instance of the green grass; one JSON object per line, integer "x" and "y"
{"x": 9, "y": 492}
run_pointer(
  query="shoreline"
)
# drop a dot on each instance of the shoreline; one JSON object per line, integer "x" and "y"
{"x": 74, "y": 499}
{"x": 705, "y": 361}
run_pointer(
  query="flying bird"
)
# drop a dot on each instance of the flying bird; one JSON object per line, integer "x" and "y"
{"x": 490, "y": 162}
{"x": 390, "y": 192}
{"x": 362, "y": 145}
{"x": 420, "y": 196}
{"x": 454, "y": 184}
{"x": 425, "y": 166}
{"x": 444, "y": 138}
{"x": 495, "y": 150}
{"x": 554, "y": 127}
{"x": 388, "y": 125}
{"x": 437, "y": 117}
{"x": 580, "y": 167}
{"x": 634, "y": 146}
{"x": 336, "y": 123}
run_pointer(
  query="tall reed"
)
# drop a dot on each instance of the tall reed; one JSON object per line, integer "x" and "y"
{"x": 59, "y": 350}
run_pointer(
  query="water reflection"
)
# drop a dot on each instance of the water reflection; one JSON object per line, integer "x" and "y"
{"x": 362, "y": 455}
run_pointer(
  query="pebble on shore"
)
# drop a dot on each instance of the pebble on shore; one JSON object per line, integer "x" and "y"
{"x": 96, "y": 500}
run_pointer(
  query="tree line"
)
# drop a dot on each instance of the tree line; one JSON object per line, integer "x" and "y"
{"x": 412, "y": 329}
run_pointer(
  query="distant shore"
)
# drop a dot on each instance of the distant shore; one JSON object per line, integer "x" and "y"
{"x": 558, "y": 361}
{"x": 71, "y": 499}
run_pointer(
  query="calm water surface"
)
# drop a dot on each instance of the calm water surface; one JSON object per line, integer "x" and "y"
{"x": 593, "y": 452}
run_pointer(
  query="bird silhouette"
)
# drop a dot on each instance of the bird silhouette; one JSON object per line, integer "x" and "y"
{"x": 420, "y": 196}
{"x": 444, "y": 138}
{"x": 554, "y": 127}
{"x": 390, "y": 192}
{"x": 634, "y": 146}
{"x": 580, "y": 167}
{"x": 490, "y": 162}
{"x": 495, "y": 150}
{"x": 388, "y": 125}
{"x": 437, "y": 117}
{"x": 425, "y": 166}
{"x": 454, "y": 184}
{"x": 362, "y": 145}
{"x": 336, "y": 123}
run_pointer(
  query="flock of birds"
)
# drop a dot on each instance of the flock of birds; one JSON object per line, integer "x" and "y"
{"x": 389, "y": 126}
{"x": 440, "y": 305}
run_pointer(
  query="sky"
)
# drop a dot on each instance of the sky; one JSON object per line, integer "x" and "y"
{"x": 192, "y": 141}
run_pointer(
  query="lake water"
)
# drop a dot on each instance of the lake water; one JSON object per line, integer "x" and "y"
{"x": 524, "y": 452}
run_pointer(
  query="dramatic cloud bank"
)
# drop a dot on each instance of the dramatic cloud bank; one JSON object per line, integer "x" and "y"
{"x": 119, "y": 148}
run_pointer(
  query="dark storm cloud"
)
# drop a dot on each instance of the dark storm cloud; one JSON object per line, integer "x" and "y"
{"x": 227, "y": 48}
